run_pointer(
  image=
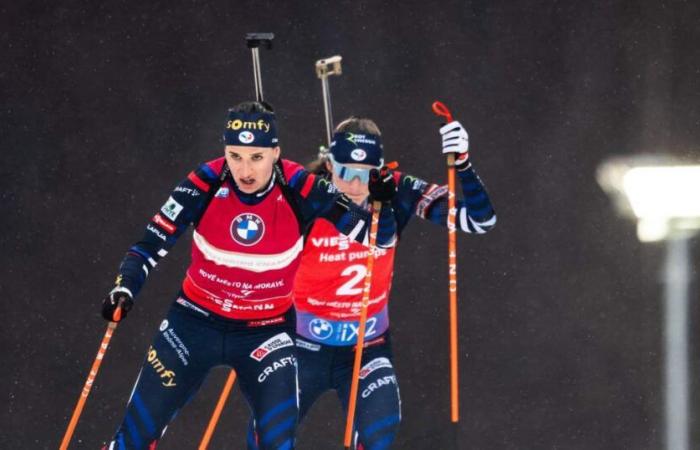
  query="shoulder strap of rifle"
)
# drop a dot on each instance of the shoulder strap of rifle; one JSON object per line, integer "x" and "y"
{"x": 213, "y": 189}
{"x": 288, "y": 195}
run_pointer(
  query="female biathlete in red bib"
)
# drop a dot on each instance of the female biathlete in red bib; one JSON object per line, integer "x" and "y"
{"x": 248, "y": 209}
{"x": 328, "y": 285}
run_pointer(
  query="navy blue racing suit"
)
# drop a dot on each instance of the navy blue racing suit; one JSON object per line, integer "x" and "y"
{"x": 188, "y": 344}
{"x": 324, "y": 367}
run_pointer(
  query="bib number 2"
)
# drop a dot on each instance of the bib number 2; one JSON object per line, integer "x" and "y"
{"x": 353, "y": 286}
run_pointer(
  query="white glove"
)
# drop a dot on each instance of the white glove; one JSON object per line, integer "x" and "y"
{"x": 456, "y": 140}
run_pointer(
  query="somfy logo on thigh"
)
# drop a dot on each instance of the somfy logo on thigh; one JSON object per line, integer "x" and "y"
{"x": 166, "y": 375}
{"x": 164, "y": 325}
{"x": 247, "y": 229}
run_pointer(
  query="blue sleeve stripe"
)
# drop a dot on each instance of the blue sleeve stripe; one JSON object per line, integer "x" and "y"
{"x": 141, "y": 252}
{"x": 294, "y": 180}
{"x": 383, "y": 443}
{"x": 133, "y": 431}
{"x": 286, "y": 445}
{"x": 208, "y": 170}
{"x": 381, "y": 423}
{"x": 278, "y": 409}
{"x": 143, "y": 412}
{"x": 278, "y": 429}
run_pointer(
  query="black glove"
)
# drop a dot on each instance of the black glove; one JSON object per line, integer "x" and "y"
{"x": 118, "y": 298}
{"x": 382, "y": 186}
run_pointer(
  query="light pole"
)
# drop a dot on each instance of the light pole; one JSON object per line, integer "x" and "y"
{"x": 663, "y": 196}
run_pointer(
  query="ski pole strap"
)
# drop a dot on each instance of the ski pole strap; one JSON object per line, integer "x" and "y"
{"x": 440, "y": 109}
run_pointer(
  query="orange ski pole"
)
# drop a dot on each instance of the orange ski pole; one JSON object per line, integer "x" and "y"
{"x": 217, "y": 411}
{"x": 441, "y": 110}
{"x": 352, "y": 403}
{"x": 90, "y": 379}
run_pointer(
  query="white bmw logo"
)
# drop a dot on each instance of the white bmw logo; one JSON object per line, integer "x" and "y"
{"x": 246, "y": 137}
{"x": 320, "y": 328}
{"x": 247, "y": 229}
{"x": 358, "y": 154}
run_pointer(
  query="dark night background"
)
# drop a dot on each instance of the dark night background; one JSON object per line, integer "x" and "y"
{"x": 106, "y": 107}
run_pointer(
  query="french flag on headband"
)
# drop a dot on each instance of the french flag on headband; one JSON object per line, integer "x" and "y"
{"x": 355, "y": 148}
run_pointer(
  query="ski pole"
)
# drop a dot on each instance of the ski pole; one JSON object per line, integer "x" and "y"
{"x": 325, "y": 68}
{"x": 376, "y": 208}
{"x": 90, "y": 379}
{"x": 440, "y": 109}
{"x": 253, "y": 41}
{"x": 217, "y": 411}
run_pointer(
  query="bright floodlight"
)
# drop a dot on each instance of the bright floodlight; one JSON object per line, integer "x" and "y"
{"x": 663, "y": 195}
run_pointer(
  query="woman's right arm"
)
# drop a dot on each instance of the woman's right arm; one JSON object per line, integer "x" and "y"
{"x": 184, "y": 206}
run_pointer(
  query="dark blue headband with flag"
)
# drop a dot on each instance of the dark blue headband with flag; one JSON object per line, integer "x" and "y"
{"x": 356, "y": 148}
{"x": 250, "y": 129}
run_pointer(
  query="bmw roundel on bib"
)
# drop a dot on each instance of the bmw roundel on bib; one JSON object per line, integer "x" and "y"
{"x": 320, "y": 328}
{"x": 247, "y": 229}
